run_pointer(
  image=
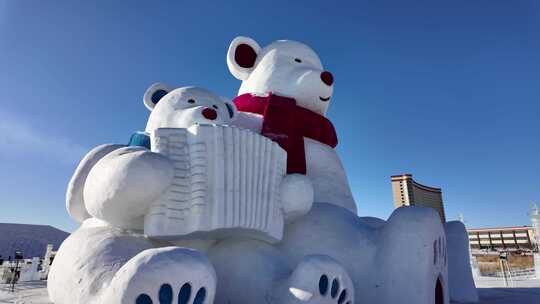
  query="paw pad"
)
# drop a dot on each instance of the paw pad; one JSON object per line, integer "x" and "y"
{"x": 323, "y": 285}
{"x": 166, "y": 295}
{"x": 336, "y": 293}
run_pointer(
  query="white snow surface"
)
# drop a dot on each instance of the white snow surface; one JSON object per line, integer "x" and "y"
{"x": 460, "y": 278}
{"x": 324, "y": 167}
{"x": 490, "y": 290}
{"x": 34, "y": 292}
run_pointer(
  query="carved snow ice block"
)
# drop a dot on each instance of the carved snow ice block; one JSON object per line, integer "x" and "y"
{"x": 226, "y": 183}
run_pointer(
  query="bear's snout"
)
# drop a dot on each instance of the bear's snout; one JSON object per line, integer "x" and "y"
{"x": 210, "y": 114}
{"x": 327, "y": 78}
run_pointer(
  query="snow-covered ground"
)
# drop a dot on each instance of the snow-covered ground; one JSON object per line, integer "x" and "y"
{"x": 25, "y": 293}
{"x": 491, "y": 291}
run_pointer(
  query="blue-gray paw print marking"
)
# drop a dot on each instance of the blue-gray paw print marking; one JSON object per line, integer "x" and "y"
{"x": 165, "y": 295}
{"x": 324, "y": 287}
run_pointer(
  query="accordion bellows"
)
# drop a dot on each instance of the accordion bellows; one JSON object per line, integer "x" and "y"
{"x": 226, "y": 179}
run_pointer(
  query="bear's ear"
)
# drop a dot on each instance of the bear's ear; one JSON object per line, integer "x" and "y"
{"x": 154, "y": 94}
{"x": 241, "y": 56}
{"x": 231, "y": 108}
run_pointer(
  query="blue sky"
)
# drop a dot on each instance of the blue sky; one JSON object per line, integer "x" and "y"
{"x": 446, "y": 90}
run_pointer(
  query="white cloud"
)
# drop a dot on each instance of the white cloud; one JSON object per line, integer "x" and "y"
{"x": 18, "y": 138}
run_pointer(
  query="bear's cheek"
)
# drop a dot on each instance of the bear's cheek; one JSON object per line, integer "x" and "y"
{"x": 192, "y": 116}
{"x": 279, "y": 82}
{"x": 312, "y": 91}
{"x": 311, "y": 100}
{"x": 183, "y": 118}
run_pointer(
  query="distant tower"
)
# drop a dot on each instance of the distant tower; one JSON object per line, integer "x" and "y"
{"x": 408, "y": 192}
{"x": 535, "y": 219}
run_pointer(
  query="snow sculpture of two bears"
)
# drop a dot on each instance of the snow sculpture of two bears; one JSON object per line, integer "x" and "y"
{"x": 327, "y": 255}
{"x": 117, "y": 189}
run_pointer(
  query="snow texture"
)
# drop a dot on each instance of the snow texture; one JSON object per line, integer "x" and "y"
{"x": 89, "y": 258}
{"x": 490, "y": 291}
{"x": 377, "y": 256}
{"x": 122, "y": 185}
{"x": 460, "y": 277}
{"x": 74, "y": 195}
{"x": 297, "y": 196}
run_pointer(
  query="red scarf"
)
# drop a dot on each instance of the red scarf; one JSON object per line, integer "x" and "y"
{"x": 287, "y": 124}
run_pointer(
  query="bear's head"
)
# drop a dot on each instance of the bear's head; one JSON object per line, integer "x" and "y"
{"x": 184, "y": 107}
{"x": 286, "y": 68}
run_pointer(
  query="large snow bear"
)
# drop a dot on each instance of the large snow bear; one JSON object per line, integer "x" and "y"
{"x": 402, "y": 260}
{"x": 292, "y": 70}
{"x": 108, "y": 259}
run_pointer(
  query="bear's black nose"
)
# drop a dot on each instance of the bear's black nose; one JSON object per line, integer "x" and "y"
{"x": 327, "y": 78}
{"x": 210, "y": 114}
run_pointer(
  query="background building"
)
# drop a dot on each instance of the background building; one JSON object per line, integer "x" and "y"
{"x": 407, "y": 192}
{"x": 503, "y": 238}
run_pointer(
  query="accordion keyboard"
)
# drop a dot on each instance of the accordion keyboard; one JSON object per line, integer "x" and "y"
{"x": 225, "y": 178}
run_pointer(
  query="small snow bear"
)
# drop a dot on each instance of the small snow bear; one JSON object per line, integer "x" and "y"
{"x": 110, "y": 194}
{"x": 122, "y": 197}
{"x": 284, "y": 95}
{"x": 184, "y": 107}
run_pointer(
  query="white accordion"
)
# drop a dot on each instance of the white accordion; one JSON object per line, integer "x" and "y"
{"x": 226, "y": 182}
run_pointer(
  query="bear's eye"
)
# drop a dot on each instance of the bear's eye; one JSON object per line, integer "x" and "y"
{"x": 215, "y": 107}
{"x": 298, "y": 60}
{"x": 191, "y": 101}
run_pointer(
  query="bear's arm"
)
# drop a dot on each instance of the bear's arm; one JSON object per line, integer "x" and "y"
{"x": 74, "y": 194}
{"x": 122, "y": 185}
